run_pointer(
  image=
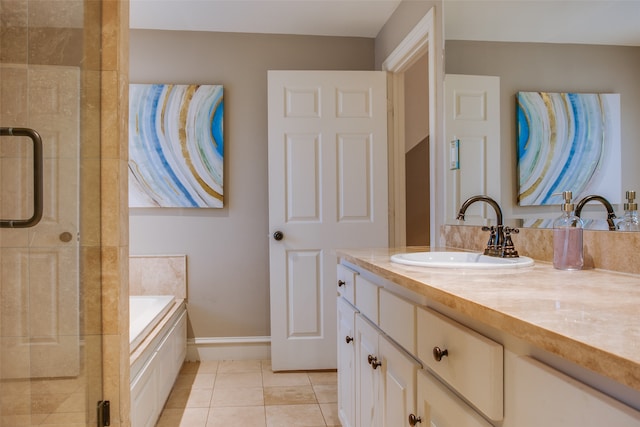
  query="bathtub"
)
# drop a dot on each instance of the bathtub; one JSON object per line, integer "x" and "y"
{"x": 158, "y": 343}
{"x": 144, "y": 314}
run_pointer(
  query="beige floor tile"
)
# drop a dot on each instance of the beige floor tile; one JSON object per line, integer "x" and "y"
{"x": 250, "y": 416}
{"x": 323, "y": 377}
{"x": 184, "y": 381}
{"x": 188, "y": 417}
{"x": 326, "y": 393}
{"x": 330, "y": 413}
{"x": 196, "y": 380}
{"x": 189, "y": 398}
{"x": 209, "y": 367}
{"x": 275, "y": 379}
{"x": 205, "y": 367}
{"x": 235, "y": 380}
{"x": 248, "y": 393}
{"x": 294, "y": 416}
{"x": 289, "y": 395}
{"x": 237, "y": 366}
{"x": 189, "y": 367}
{"x": 65, "y": 419}
{"x": 249, "y": 396}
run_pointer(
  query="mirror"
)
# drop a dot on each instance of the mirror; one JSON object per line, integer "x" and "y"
{"x": 543, "y": 46}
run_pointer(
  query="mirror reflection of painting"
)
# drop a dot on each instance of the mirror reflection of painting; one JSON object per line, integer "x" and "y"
{"x": 176, "y": 145}
{"x": 568, "y": 142}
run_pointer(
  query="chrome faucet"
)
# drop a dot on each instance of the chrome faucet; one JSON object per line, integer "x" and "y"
{"x": 611, "y": 215}
{"x": 496, "y": 237}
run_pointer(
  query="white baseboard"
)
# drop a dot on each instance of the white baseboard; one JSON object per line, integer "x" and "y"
{"x": 229, "y": 348}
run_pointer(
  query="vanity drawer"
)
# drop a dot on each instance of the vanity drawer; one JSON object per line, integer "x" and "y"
{"x": 346, "y": 283}
{"x": 471, "y": 364}
{"x": 367, "y": 298}
{"x": 398, "y": 319}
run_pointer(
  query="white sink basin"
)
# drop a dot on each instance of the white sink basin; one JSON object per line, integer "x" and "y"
{"x": 460, "y": 260}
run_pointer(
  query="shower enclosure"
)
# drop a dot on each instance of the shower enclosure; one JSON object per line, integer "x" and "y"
{"x": 50, "y": 288}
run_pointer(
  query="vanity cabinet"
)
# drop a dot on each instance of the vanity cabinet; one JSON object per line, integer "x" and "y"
{"x": 416, "y": 362}
{"x": 385, "y": 378}
{"x": 376, "y": 374}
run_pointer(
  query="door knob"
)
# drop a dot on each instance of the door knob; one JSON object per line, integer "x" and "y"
{"x": 278, "y": 235}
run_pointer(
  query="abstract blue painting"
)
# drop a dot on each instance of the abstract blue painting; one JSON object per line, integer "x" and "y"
{"x": 176, "y": 145}
{"x": 568, "y": 142}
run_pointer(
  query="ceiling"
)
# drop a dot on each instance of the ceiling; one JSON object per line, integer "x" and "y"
{"x": 350, "y": 18}
{"x": 611, "y": 22}
{"x": 551, "y": 21}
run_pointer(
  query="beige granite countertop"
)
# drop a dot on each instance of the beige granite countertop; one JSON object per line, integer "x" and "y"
{"x": 589, "y": 317}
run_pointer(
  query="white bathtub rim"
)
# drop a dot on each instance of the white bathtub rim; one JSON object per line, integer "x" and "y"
{"x": 142, "y": 323}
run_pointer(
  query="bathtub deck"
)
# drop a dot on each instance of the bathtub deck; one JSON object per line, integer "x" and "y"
{"x": 139, "y": 352}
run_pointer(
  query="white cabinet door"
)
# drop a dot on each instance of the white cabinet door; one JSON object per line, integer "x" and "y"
{"x": 438, "y": 407}
{"x": 398, "y": 384}
{"x": 327, "y": 189}
{"x": 368, "y": 410}
{"x": 346, "y": 363}
{"x": 538, "y": 395}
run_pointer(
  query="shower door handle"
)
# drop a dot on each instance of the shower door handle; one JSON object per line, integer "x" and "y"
{"x": 37, "y": 178}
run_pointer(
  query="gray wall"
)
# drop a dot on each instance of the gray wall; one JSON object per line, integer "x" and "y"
{"x": 554, "y": 68}
{"x": 404, "y": 18}
{"x": 227, "y": 249}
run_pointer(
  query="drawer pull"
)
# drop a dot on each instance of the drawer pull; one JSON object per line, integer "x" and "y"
{"x": 373, "y": 361}
{"x": 341, "y": 283}
{"x": 413, "y": 420}
{"x": 439, "y": 353}
{"x": 348, "y": 339}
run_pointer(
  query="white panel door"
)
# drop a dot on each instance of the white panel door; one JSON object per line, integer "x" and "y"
{"x": 327, "y": 190}
{"x": 472, "y": 117}
{"x": 40, "y": 329}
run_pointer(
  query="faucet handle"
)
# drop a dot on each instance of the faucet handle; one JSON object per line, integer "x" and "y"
{"x": 491, "y": 249}
{"x": 508, "y": 248}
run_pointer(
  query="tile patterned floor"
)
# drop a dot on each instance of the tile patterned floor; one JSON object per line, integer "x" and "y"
{"x": 248, "y": 393}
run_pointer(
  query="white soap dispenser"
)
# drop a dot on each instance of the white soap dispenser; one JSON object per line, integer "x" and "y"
{"x": 630, "y": 220}
{"x": 567, "y": 237}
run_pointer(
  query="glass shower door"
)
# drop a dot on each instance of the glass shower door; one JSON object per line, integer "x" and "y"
{"x": 50, "y": 358}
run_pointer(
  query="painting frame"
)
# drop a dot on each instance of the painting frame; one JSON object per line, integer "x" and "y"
{"x": 176, "y": 146}
{"x": 567, "y": 142}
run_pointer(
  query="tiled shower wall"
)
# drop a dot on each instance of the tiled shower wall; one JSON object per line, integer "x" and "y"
{"x": 114, "y": 208}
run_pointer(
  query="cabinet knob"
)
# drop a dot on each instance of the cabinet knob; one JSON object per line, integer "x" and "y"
{"x": 341, "y": 283}
{"x": 413, "y": 420}
{"x": 348, "y": 339}
{"x": 373, "y": 361}
{"x": 278, "y": 235}
{"x": 439, "y": 353}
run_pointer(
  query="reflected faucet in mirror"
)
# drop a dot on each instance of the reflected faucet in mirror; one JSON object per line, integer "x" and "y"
{"x": 497, "y": 244}
{"x": 611, "y": 215}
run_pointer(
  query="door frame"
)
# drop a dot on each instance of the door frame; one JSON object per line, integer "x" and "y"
{"x": 421, "y": 40}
